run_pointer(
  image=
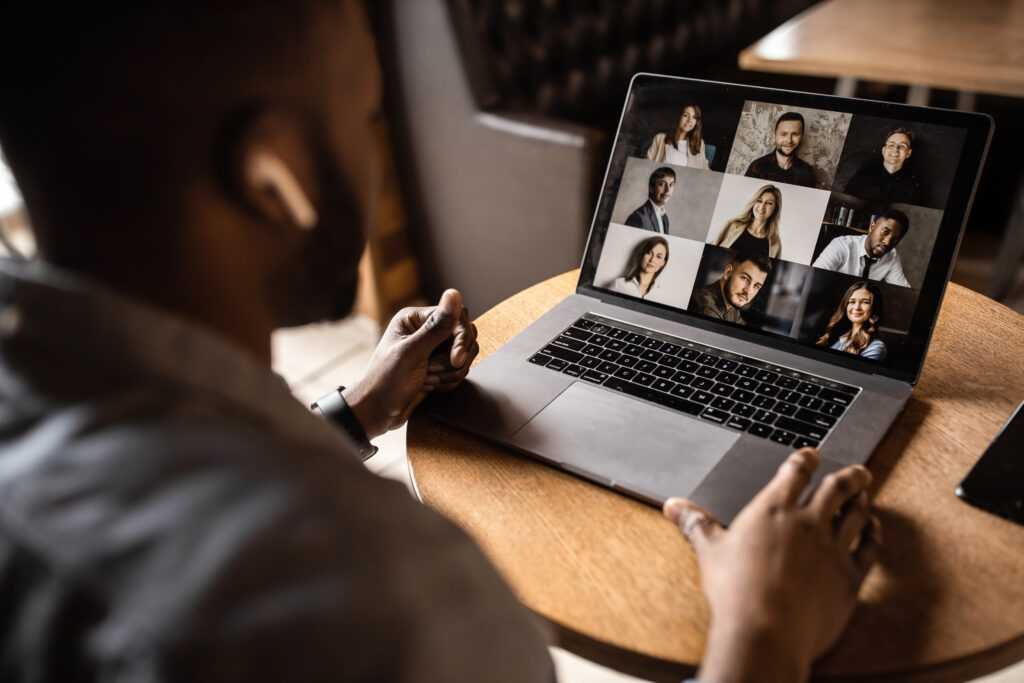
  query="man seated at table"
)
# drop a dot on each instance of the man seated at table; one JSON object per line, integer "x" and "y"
{"x": 197, "y": 174}
{"x": 872, "y": 256}
{"x": 782, "y": 165}
{"x": 726, "y": 297}
{"x": 889, "y": 178}
{"x": 651, "y": 214}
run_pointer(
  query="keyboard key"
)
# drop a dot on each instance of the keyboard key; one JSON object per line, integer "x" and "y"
{"x": 556, "y": 364}
{"x": 747, "y": 383}
{"x": 764, "y": 417}
{"x": 577, "y": 334}
{"x": 599, "y": 340}
{"x": 540, "y": 359}
{"x": 689, "y": 354}
{"x": 788, "y": 396}
{"x": 766, "y": 376}
{"x": 758, "y": 429}
{"x": 591, "y": 350}
{"x": 722, "y": 390}
{"x": 682, "y": 391}
{"x": 667, "y": 400}
{"x": 568, "y": 343}
{"x": 702, "y": 397}
{"x": 705, "y": 371}
{"x": 767, "y": 390}
{"x": 715, "y": 415}
{"x": 682, "y": 377}
{"x": 670, "y": 361}
{"x": 652, "y": 343}
{"x": 564, "y": 354}
{"x": 617, "y": 333}
{"x": 808, "y": 388}
{"x": 607, "y": 368}
{"x": 723, "y": 403}
{"x": 702, "y": 383}
{"x": 746, "y": 371}
{"x": 708, "y": 359}
{"x": 743, "y": 396}
{"x": 633, "y": 350}
{"x": 782, "y": 436}
{"x": 609, "y": 355}
{"x": 653, "y": 356}
{"x": 590, "y": 361}
{"x": 594, "y": 376}
{"x": 634, "y": 338}
{"x": 788, "y": 382}
{"x": 810, "y": 402}
{"x": 802, "y": 428}
{"x": 743, "y": 409}
{"x": 803, "y": 441}
{"x": 833, "y": 409}
{"x": 600, "y": 328}
{"x": 835, "y": 396}
{"x": 615, "y": 344}
{"x": 573, "y": 370}
{"x": 783, "y": 408}
{"x": 826, "y": 421}
{"x": 726, "y": 364}
{"x": 670, "y": 349}
{"x": 688, "y": 366}
{"x": 764, "y": 402}
{"x": 727, "y": 378}
{"x": 625, "y": 373}
{"x": 628, "y": 361}
{"x": 644, "y": 379}
{"x": 645, "y": 366}
{"x": 662, "y": 385}
{"x": 663, "y": 372}
{"x": 740, "y": 423}
{"x": 584, "y": 324}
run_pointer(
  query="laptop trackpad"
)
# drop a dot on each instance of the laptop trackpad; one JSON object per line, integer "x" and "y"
{"x": 649, "y": 450}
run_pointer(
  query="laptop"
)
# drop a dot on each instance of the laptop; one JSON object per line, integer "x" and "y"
{"x": 763, "y": 272}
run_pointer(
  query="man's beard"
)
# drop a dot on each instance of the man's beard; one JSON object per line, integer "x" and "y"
{"x": 321, "y": 283}
{"x": 784, "y": 152}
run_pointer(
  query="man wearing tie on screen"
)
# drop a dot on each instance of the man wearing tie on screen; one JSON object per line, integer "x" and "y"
{"x": 651, "y": 215}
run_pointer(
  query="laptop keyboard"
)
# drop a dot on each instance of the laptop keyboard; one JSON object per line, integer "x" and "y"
{"x": 768, "y": 401}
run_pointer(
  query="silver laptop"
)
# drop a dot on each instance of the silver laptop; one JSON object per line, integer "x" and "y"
{"x": 763, "y": 272}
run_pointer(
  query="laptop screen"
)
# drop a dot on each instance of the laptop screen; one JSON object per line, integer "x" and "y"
{"x": 824, "y": 223}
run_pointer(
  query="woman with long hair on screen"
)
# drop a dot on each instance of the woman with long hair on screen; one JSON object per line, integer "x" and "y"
{"x": 645, "y": 265}
{"x": 757, "y": 228}
{"x": 853, "y": 327}
{"x": 684, "y": 146}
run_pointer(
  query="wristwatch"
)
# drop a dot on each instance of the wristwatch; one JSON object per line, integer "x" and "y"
{"x": 333, "y": 406}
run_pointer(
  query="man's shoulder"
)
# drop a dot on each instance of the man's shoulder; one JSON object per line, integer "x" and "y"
{"x": 761, "y": 162}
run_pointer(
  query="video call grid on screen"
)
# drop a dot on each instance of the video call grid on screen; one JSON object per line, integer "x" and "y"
{"x": 698, "y": 217}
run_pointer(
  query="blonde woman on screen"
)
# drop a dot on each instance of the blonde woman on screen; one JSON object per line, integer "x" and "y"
{"x": 757, "y": 228}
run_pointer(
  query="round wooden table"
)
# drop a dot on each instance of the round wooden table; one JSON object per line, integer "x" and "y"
{"x": 621, "y": 587}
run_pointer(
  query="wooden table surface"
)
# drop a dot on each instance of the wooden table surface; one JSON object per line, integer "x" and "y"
{"x": 975, "y": 46}
{"x": 621, "y": 585}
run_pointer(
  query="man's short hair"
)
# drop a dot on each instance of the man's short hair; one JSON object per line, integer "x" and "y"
{"x": 899, "y": 217}
{"x": 758, "y": 258}
{"x": 791, "y": 116}
{"x": 659, "y": 174}
{"x": 901, "y": 131}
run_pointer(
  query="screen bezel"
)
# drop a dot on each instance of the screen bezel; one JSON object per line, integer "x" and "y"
{"x": 978, "y": 129}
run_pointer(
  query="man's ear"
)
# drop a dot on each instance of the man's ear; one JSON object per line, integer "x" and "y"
{"x": 273, "y": 171}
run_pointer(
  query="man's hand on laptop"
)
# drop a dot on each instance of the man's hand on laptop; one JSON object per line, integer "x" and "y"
{"x": 423, "y": 350}
{"x": 782, "y": 581}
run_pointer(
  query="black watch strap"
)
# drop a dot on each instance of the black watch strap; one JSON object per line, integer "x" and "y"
{"x": 333, "y": 406}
